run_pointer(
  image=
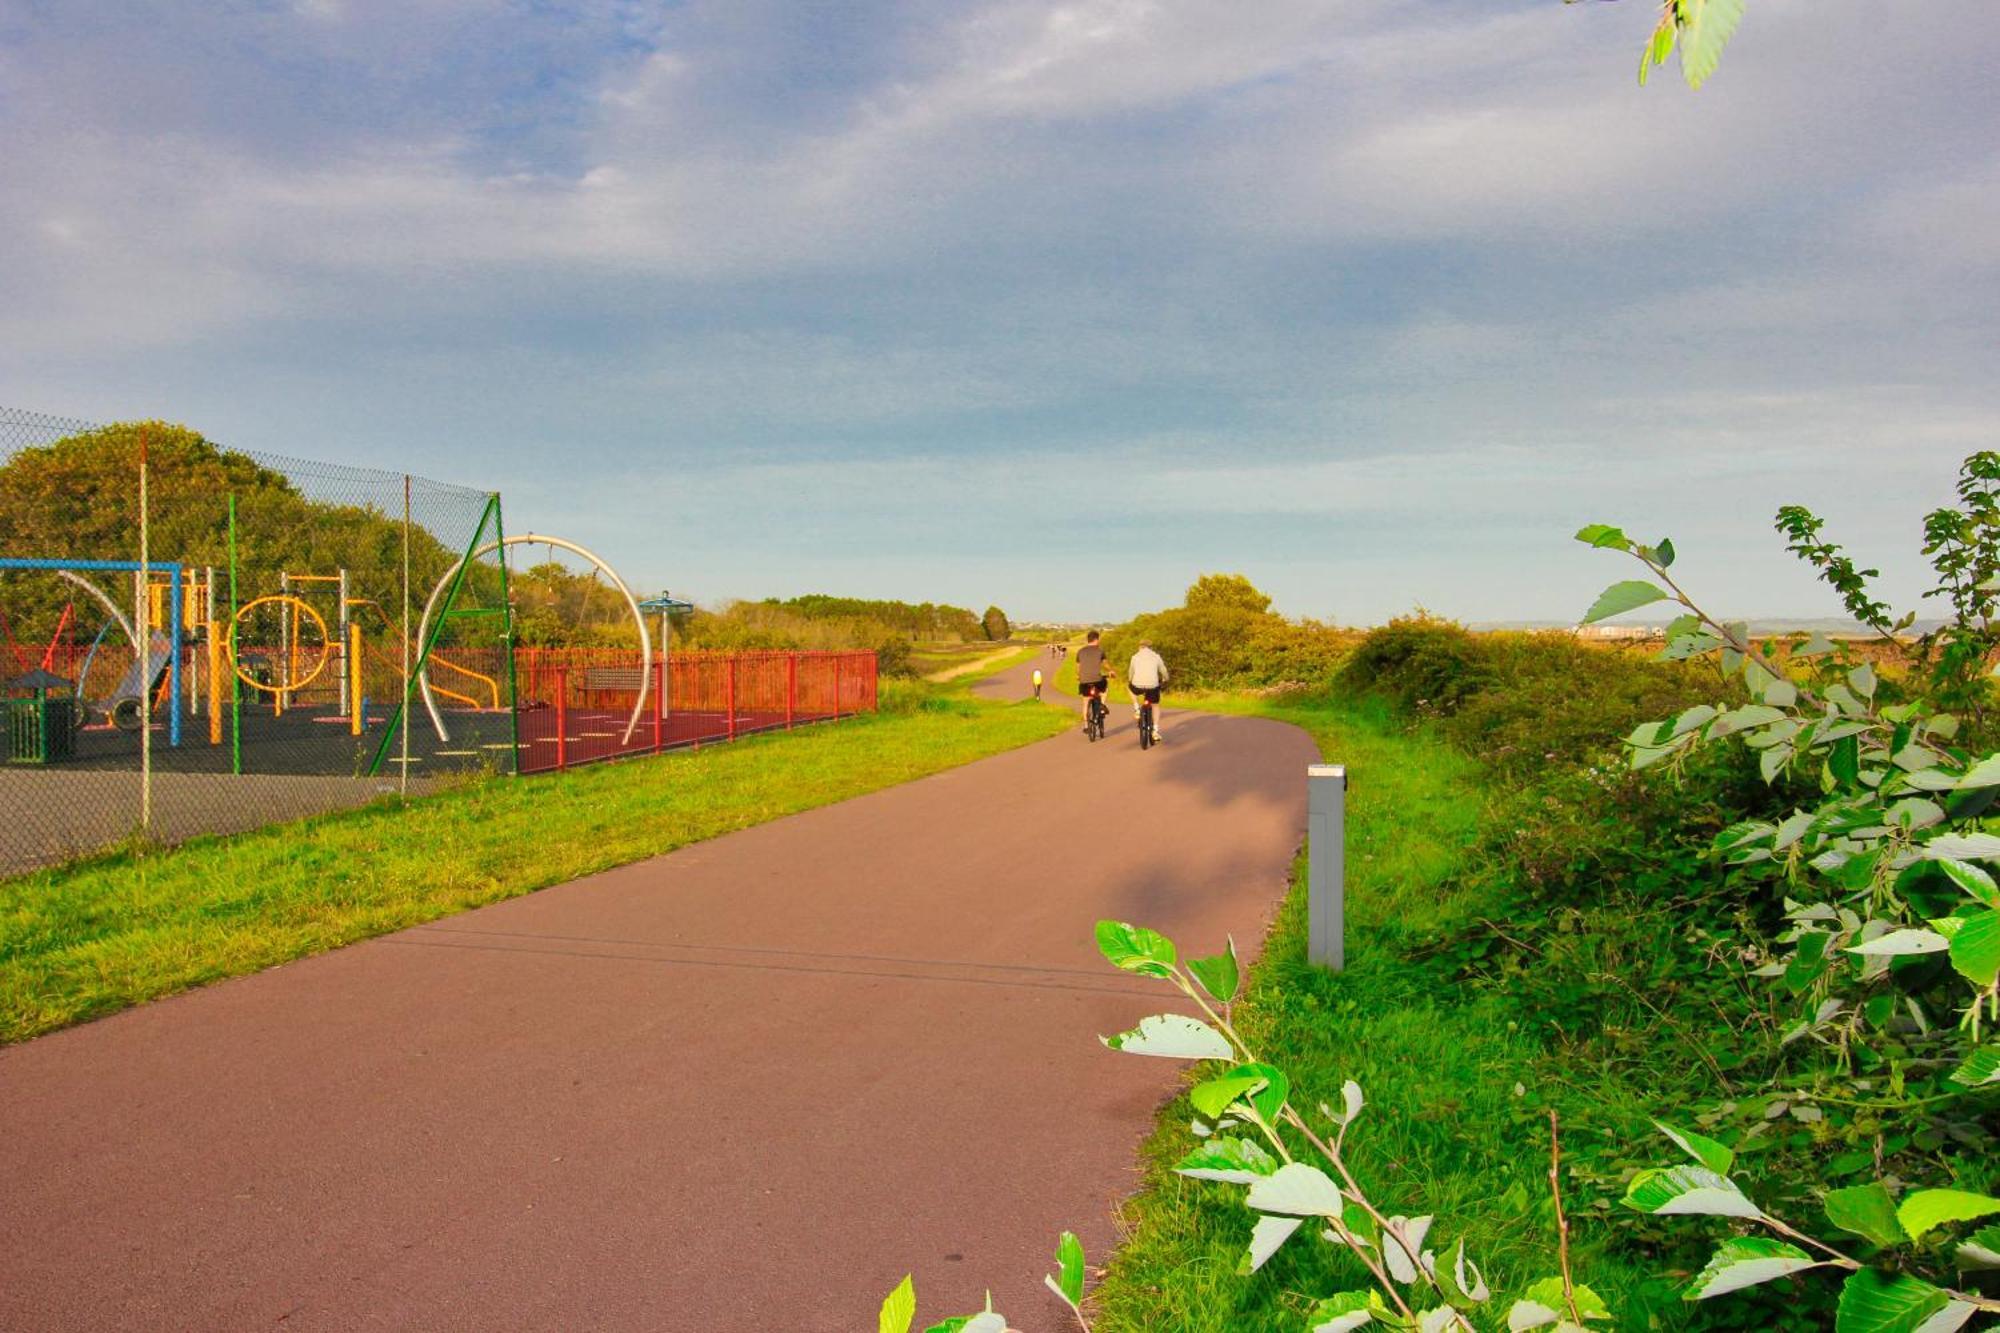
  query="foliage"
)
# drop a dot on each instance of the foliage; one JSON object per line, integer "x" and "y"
{"x": 1890, "y": 921}
{"x": 751, "y": 625}
{"x": 1225, "y": 633}
{"x": 1700, "y": 28}
{"x": 558, "y": 606}
{"x": 1519, "y": 700}
{"x": 1226, "y": 592}
{"x": 994, "y": 623}
{"x": 78, "y": 498}
{"x": 1291, "y": 1161}
{"x": 899, "y": 1307}
{"x": 920, "y": 620}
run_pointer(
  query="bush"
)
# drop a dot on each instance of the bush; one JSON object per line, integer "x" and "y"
{"x": 1226, "y": 634}
{"x": 1521, "y": 701}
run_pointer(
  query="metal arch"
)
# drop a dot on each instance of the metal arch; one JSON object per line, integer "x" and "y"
{"x": 117, "y": 616}
{"x": 536, "y": 539}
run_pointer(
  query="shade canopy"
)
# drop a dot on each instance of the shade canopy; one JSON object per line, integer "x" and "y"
{"x": 40, "y": 680}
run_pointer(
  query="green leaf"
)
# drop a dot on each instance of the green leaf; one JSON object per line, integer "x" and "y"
{"x": 1548, "y": 1294}
{"x": 1664, "y": 551}
{"x": 1265, "y": 1238}
{"x": 1136, "y": 949}
{"x": 1215, "y": 1096}
{"x": 1980, "y": 1069}
{"x": 1622, "y": 597}
{"x": 1219, "y": 976}
{"x": 1979, "y": 1250}
{"x": 1296, "y": 1190}
{"x": 1746, "y": 1262}
{"x": 1715, "y": 1156}
{"x": 1604, "y": 535}
{"x": 1269, "y": 1099}
{"x": 1176, "y": 1036}
{"x": 1844, "y": 761}
{"x": 1899, "y": 943}
{"x": 1688, "y": 1189}
{"x": 1873, "y": 1303}
{"x": 899, "y": 1308}
{"x": 1236, "y": 1161}
{"x": 1970, "y": 878}
{"x": 1694, "y": 717}
{"x": 1346, "y": 1311}
{"x": 1862, "y": 679}
{"x": 1866, "y": 1210}
{"x": 1964, "y": 847}
{"x": 1067, "y": 1281}
{"x": 1985, "y": 773}
{"x": 1709, "y": 25}
{"x": 1926, "y": 1210}
{"x": 1975, "y": 948}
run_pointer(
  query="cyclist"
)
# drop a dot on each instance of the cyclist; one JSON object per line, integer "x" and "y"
{"x": 1038, "y": 682}
{"x": 1144, "y": 675}
{"x": 1090, "y": 681}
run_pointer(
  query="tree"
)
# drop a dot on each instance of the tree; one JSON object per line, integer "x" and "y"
{"x": 1231, "y": 592}
{"x": 78, "y": 499}
{"x": 995, "y": 623}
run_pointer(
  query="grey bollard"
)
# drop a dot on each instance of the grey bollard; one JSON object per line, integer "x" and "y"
{"x": 1326, "y": 866}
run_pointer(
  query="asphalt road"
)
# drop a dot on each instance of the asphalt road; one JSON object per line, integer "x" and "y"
{"x": 747, "y": 1085}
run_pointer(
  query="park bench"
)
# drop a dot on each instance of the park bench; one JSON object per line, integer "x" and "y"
{"x": 613, "y": 680}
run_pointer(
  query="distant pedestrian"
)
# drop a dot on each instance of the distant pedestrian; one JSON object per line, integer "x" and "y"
{"x": 1038, "y": 682}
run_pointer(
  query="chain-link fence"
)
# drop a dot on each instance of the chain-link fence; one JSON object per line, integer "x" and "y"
{"x": 196, "y": 639}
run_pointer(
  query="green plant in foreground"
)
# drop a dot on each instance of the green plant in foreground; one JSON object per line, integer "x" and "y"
{"x": 899, "y": 1307}
{"x": 1295, "y": 1171}
{"x": 1887, "y": 906}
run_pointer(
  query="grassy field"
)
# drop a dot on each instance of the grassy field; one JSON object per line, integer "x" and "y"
{"x": 84, "y": 940}
{"x": 926, "y": 658}
{"x": 1459, "y": 1079}
{"x": 998, "y": 657}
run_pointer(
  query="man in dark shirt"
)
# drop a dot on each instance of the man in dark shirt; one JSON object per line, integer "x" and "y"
{"x": 1090, "y": 669}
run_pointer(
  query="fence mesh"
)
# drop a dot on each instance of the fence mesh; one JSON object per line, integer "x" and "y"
{"x": 257, "y": 638}
{"x": 252, "y": 657}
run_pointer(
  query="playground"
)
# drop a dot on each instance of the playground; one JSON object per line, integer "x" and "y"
{"x": 196, "y": 640}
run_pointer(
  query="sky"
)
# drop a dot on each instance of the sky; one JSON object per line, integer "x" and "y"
{"x": 1054, "y": 306}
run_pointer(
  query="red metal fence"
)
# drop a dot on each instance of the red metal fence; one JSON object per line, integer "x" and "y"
{"x": 575, "y": 704}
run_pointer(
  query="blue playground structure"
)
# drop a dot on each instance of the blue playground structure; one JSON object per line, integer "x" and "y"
{"x": 162, "y": 654}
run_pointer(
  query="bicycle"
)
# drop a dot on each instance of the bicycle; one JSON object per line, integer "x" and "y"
{"x": 1094, "y": 714}
{"x": 1146, "y": 725}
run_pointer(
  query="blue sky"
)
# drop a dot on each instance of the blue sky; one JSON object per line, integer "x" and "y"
{"x": 1051, "y": 305}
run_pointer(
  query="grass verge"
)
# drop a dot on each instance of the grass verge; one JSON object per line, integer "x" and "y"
{"x": 81, "y": 941}
{"x": 1459, "y": 1079}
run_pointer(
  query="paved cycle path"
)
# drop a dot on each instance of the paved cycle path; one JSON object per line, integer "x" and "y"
{"x": 747, "y": 1085}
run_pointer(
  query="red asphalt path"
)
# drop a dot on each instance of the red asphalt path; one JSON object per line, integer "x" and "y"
{"x": 747, "y": 1085}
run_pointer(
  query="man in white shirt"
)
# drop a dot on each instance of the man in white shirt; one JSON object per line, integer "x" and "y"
{"x": 1144, "y": 676}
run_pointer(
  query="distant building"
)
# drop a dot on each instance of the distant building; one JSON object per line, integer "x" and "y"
{"x": 1620, "y": 633}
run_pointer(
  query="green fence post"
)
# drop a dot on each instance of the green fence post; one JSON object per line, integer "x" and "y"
{"x": 424, "y": 649}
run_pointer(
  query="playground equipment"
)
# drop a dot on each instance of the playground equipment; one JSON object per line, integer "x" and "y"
{"x": 127, "y": 699}
{"x": 488, "y": 686}
{"x": 450, "y": 579}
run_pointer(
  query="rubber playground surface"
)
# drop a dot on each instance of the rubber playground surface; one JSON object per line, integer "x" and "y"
{"x": 747, "y": 1085}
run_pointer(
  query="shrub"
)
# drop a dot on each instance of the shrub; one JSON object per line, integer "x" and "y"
{"x": 1226, "y": 634}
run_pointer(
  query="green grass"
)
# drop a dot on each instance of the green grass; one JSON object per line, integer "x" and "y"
{"x": 1459, "y": 1078}
{"x": 85, "y": 940}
